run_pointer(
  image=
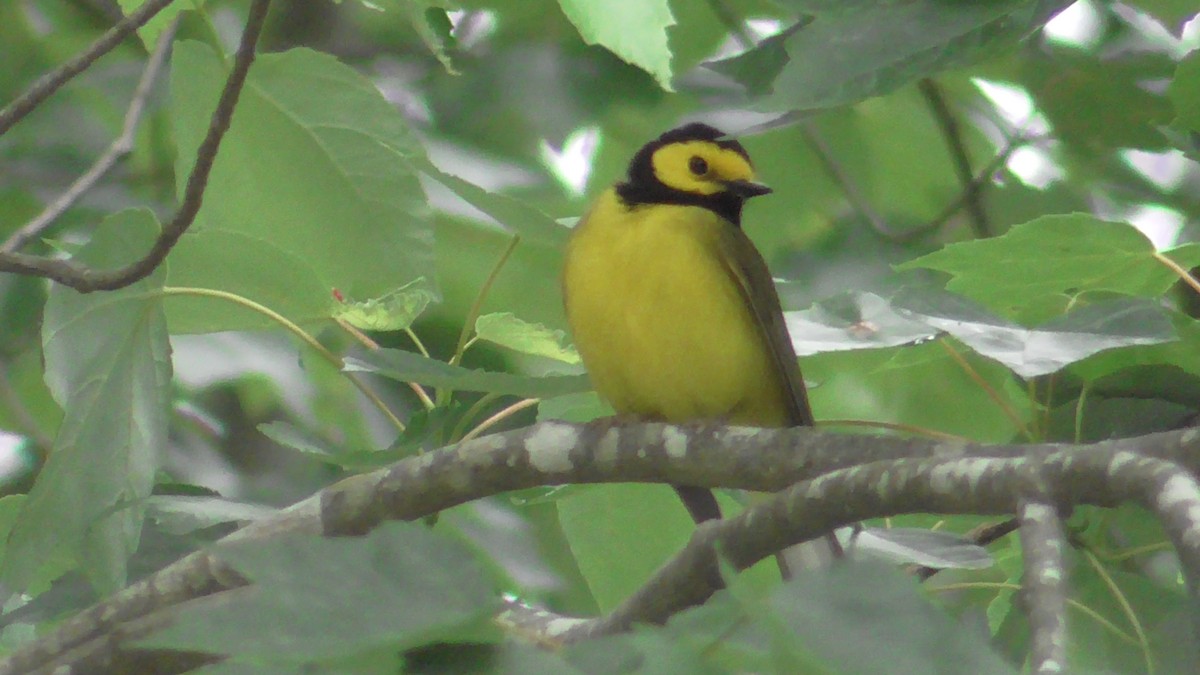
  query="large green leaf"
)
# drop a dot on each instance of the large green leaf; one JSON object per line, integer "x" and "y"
{"x": 410, "y": 367}
{"x": 620, "y": 534}
{"x": 315, "y": 163}
{"x": 108, "y": 364}
{"x": 1055, "y": 254}
{"x": 635, "y": 30}
{"x": 318, "y": 598}
{"x": 867, "y": 49}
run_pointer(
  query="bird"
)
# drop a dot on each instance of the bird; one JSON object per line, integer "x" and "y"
{"x": 671, "y": 306}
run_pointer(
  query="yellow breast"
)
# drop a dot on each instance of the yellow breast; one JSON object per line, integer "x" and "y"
{"x": 661, "y": 323}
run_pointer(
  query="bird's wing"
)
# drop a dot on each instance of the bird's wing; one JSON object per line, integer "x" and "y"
{"x": 747, "y": 267}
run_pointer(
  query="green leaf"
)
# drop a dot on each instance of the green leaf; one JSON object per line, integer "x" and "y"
{"x": 399, "y": 587}
{"x": 635, "y": 30}
{"x": 621, "y": 534}
{"x": 108, "y": 364}
{"x": 853, "y": 321}
{"x": 316, "y": 163}
{"x": 395, "y": 310}
{"x": 870, "y": 618}
{"x": 409, "y": 367}
{"x": 506, "y": 330}
{"x": 519, "y": 217}
{"x": 248, "y": 266}
{"x": 1184, "y": 93}
{"x": 845, "y": 56}
{"x": 1068, "y": 254}
{"x": 1123, "y": 322}
{"x": 918, "y": 546}
{"x": 179, "y": 515}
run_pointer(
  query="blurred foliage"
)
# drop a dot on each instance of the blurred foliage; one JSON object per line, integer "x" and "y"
{"x": 986, "y": 216}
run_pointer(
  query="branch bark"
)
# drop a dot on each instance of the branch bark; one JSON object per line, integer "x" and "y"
{"x": 835, "y": 479}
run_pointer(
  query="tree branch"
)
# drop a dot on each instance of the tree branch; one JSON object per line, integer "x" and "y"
{"x": 86, "y": 280}
{"x": 54, "y": 80}
{"x": 1044, "y": 586}
{"x": 972, "y": 194}
{"x": 120, "y": 147}
{"x": 844, "y": 479}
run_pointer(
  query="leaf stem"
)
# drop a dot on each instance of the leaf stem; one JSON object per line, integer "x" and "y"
{"x": 494, "y": 419}
{"x": 1005, "y": 406}
{"x": 333, "y": 359}
{"x": 366, "y": 341}
{"x": 1126, "y": 608}
{"x": 1179, "y": 270}
{"x": 1009, "y": 586}
{"x": 477, "y": 306}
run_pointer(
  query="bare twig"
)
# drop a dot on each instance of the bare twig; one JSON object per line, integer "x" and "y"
{"x": 119, "y": 148}
{"x": 849, "y": 188}
{"x": 1044, "y": 586}
{"x": 84, "y": 279}
{"x": 54, "y": 80}
{"x": 972, "y": 194}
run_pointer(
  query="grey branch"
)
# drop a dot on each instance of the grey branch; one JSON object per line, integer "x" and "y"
{"x": 1044, "y": 586}
{"x": 86, "y": 280}
{"x": 120, "y": 147}
{"x": 835, "y": 479}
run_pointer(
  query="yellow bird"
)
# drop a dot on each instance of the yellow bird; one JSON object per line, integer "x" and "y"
{"x": 671, "y": 306}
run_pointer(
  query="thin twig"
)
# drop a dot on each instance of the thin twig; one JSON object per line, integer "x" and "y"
{"x": 972, "y": 195}
{"x": 54, "y": 80}
{"x": 84, "y": 279}
{"x": 987, "y": 388}
{"x": 120, "y": 147}
{"x": 499, "y": 416}
{"x": 848, "y": 187}
{"x": 477, "y": 306}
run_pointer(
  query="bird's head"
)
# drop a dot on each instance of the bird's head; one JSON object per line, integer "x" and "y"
{"x": 693, "y": 164}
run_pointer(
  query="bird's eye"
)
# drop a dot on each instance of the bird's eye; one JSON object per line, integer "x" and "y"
{"x": 698, "y": 166}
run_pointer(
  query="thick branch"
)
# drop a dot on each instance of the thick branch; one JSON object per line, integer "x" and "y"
{"x": 922, "y": 475}
{"x": 808, "y": 509}
{"x": 54, "y": 80}
{"x": 84, "y": 279}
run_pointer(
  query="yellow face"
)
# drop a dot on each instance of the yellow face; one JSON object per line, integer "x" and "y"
{"x": 700, "y": 167}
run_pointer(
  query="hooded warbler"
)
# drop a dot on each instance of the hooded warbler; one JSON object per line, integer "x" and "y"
{"x": 671, "y": 306}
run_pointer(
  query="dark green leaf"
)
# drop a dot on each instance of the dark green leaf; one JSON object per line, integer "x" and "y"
{"x": 108, "y": 364}
{"x": 410, "y": 367}
{"x": 399, "y": 587}
{"x": 845, "y": 56}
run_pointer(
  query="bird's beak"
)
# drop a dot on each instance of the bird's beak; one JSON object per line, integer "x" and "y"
{"x": 747, "y": 188}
